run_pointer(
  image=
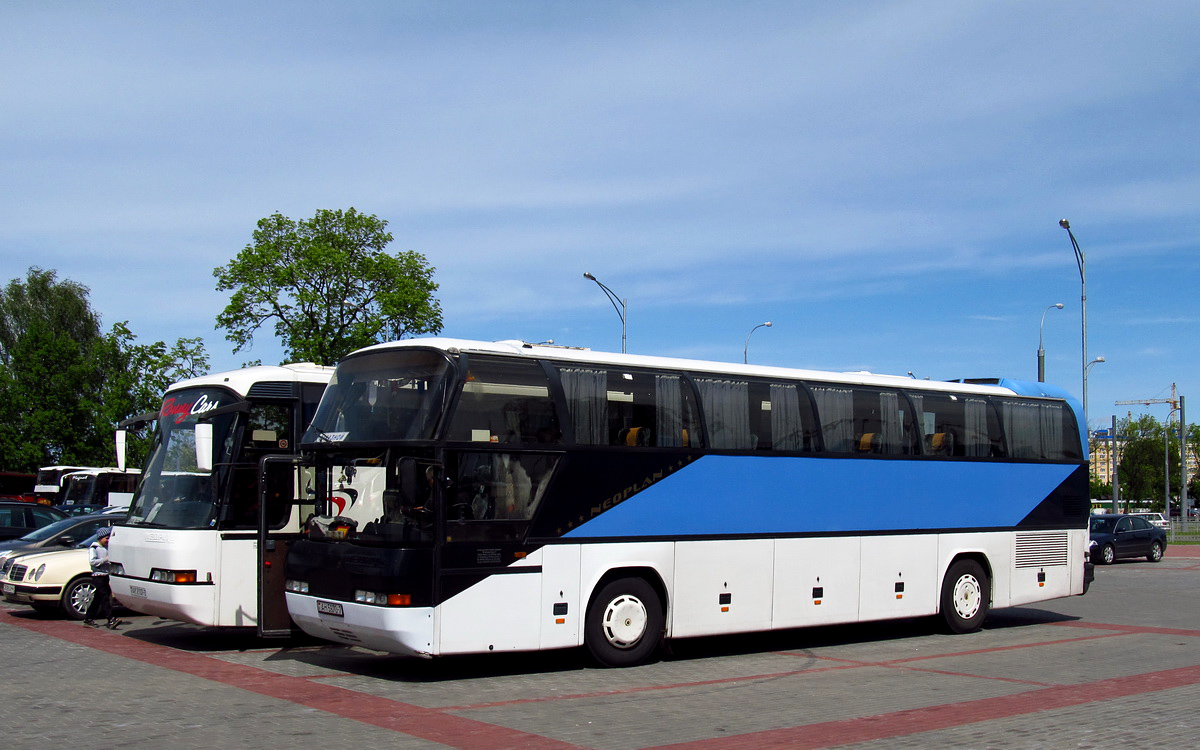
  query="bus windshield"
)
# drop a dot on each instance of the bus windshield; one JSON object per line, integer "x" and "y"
{"x": 387, "y": 395}
{"x": 174, "y": 492}
{"x": 79, "y": 489}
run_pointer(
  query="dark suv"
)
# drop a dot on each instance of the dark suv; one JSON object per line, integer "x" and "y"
{"x": 1116, "y": 536}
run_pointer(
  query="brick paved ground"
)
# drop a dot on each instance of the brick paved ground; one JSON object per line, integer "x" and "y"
{"x": 1119, "y": 667}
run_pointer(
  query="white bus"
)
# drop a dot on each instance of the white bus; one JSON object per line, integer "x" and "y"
{"x": 481, "y": 497}
{"x": 48, "y": 485}
{"x": 97, "y": 489}
{"x": 198, "y": 544}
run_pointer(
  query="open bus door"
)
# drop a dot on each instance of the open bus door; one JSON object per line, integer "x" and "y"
{"x": 277, "y": 500}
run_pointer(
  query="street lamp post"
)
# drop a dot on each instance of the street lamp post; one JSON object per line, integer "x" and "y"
{"x": 1167, "y": 466}
{"x": 620, "y": 305}
{"x": 1041, "y": 342}
{"x": 746, "y": 350}
{"x": 1081, "y": 261}
{"x": 1086, "y": 371}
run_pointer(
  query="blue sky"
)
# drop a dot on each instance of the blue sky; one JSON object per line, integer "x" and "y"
{"x": 881, "y": 180}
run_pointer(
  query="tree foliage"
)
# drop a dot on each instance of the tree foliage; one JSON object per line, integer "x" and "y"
{"x": 328, "y": 285}
{"x": 64, "y": 385}
{"x": 1149, "y": 461}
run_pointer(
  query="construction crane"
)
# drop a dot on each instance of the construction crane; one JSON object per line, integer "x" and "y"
{"x": 1176, "y": 402}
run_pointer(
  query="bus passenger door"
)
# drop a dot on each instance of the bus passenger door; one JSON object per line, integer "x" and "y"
{"x": 277, "y": 496}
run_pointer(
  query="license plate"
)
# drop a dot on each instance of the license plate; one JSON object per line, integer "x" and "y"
{"x": 137, "y": 591}
{"x": 9, "y": 588}
{"x": 330, "y": 608}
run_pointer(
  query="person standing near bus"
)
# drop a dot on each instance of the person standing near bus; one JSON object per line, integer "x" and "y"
{"x": 102, "y": 598}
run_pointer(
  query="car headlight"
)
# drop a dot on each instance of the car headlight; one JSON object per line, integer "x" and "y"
{"x": 37, "y": 574}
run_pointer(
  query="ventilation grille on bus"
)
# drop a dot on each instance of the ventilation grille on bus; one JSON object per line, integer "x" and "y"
{"x": 272, "y": 390}
{"x": 1041, "y": 549}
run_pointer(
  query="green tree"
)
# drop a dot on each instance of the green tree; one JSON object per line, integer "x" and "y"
{"x": 1142, "y": 470}
{"x": 329, "y": 286}
{"x": 64, "y": 385}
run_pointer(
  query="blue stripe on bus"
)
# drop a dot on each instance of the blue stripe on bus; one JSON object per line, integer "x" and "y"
{"x": 761, "y": 495}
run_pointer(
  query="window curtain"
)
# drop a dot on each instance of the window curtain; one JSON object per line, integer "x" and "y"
{"x": 978, "y": 442}
{"x": 588, "y": 401}
{"x": 1022, "y": 421}
{"x": 669, "y": 421}
{"x": 787, "y": 432}
{"x": 726, "y": 412}
{"x": 1051, "y": 430}
{"x": 891, "y": 422}
{"x": 835, "y": 408}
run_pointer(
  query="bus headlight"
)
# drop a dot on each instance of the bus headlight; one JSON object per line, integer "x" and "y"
{"x": 386, "y": 600}
{"x": 172, "y": 576}
{"x": 297, "y": 587}
{"x": 116, "y": 569}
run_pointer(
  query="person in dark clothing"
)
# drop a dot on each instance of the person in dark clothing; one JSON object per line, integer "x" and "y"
{"x": 101, "y": 600}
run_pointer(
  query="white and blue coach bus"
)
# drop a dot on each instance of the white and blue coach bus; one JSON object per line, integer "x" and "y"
{"x": 481, "y": 497}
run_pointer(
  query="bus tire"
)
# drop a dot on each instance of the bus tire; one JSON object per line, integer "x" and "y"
{"x": 966, "y": 593}
{"x": 624, "y": 623}
{"x": 76, "y": 597}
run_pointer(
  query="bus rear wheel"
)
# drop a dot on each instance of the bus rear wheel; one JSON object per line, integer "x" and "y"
{"x": 624, "y": 623}
{"x": 966, "y": 592}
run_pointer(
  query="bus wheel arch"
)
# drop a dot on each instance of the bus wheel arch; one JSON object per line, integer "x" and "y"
{"x": 966, "y": 593}
{"x": 625, "y": 619}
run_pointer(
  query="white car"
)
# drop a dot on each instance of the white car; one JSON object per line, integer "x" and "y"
{"x": 1154, "y": 518}
{"x": 59, "y": 579}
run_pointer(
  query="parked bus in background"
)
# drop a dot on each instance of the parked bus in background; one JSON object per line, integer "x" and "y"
{"x": 90, "y": 490}
{"x": 15, "y": 485}
{"x": 191, "y": 548}
{"x": 49, "y": 482}
{"x": 480, "y": 497}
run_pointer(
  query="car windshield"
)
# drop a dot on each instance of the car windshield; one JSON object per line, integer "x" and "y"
{"x": 38, "y": 535}
{"x": 1103, "y": 524}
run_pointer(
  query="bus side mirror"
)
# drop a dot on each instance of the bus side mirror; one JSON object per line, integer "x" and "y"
{"x": 120, "y": 441}
{"x": 204, "y": 446}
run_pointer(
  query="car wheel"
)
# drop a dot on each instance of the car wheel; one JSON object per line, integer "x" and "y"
{"x": 624, "y": 623}
{"x": 77, "y": 596}
{"x": 1108, "y": 555}
{"x": 1156, "y": 552}
{"x": 966, "y": 593}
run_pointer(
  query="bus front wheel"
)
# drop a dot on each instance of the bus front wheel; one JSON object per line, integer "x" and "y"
{"x": 624, "y": 623}
{"x": 966, "y": 592}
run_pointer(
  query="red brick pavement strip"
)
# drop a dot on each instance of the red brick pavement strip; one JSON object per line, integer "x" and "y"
{"x": 945, "y": 716}
{"x": 430, "y": 724}
{"x": 840, "y": 664}
{"x": 1183, "y": 550}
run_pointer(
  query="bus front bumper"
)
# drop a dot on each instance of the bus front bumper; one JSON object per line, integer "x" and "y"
{"x": 399, "y": 630}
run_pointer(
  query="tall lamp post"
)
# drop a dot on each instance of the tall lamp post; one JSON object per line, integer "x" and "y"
{"x": 620, "y": 305}
{"x": 1086, "y": 371}
{"x": 1081, "y": 261}
{"x": 746, "y": 350}
{"x": 1041, "y": 342}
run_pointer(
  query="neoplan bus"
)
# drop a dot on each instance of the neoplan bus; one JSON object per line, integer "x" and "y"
{"x": 483, "y": 497}
{"x": 199, "y": 545}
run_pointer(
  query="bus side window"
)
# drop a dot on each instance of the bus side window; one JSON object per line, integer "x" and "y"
{"x": 628, "y": 408}
{"x": 505, "y": 401}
